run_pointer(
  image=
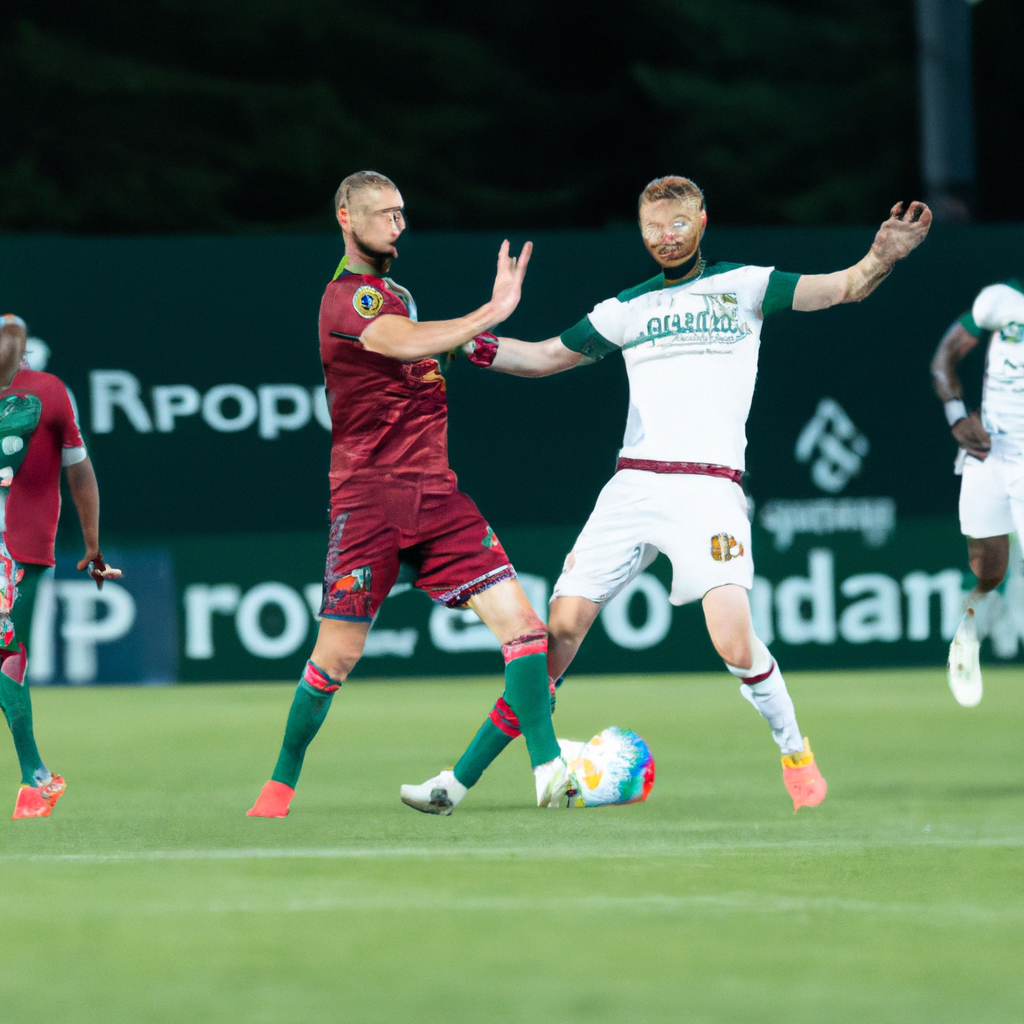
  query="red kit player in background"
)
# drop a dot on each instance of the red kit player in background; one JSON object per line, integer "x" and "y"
{"x": 38, "y": 435}
{"x": 394, "y": 498}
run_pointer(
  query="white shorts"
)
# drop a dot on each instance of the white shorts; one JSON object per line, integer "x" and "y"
{"x": 700, "y": 522}
{"x": 992, "y": 492}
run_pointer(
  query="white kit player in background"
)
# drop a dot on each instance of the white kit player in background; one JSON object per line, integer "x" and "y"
{"x": 991, "y": 461}
{"x": 690, "y": 339}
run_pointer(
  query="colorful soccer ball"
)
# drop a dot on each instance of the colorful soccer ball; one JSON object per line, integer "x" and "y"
{"x": 615, "y": 767}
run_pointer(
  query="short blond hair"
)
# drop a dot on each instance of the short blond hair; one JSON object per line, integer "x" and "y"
{"x": 672, "y": 186}
{"x": 356, "y": 183}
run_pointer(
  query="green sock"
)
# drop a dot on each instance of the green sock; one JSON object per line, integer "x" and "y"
{"x": 308, "y": 711}
{"x": 487, "y": 744}
{"x": 528, "y": 695}
{"x": 17, "y": 706}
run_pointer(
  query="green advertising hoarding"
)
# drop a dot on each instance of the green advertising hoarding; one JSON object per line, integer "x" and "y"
{"x": 194, "y": 364}
{"x": 828, "y": 593}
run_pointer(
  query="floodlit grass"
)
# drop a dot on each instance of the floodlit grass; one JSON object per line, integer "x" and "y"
{"x": 150, "y": 897}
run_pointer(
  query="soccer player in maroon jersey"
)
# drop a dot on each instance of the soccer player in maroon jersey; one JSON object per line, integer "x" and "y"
{"x": 38, "y": 435}
{"x": 394, "y": 498}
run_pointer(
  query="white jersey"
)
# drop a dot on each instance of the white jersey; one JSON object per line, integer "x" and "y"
{"x": 691, "y": 356}
{"x": 1000, "y": 309}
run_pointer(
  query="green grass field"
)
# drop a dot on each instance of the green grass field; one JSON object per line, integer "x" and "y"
{"x": 150, "y": 897}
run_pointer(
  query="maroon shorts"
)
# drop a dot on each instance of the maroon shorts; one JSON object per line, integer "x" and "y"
{"x": 446, "y": 541}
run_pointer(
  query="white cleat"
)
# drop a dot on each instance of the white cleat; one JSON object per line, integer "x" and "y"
{"x": 439, "y": 795}
{"x": 964, "y": 663}
{"x": 554, "y": 780}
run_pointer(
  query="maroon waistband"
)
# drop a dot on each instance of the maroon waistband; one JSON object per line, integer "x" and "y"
{"x": 689, "y": 468}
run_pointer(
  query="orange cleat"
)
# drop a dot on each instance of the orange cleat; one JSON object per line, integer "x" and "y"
{"x": 38, "y": 801}
{"x": 31, "y": 804}
{"x": 53, "y": 790}
{"x": 802, "y": 778}
{"x": 272, "y": 802}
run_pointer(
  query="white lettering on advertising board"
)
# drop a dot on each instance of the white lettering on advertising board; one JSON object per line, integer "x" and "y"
{"x": 116, "y": 397}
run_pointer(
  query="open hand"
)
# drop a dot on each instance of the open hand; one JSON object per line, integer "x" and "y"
{"x": 902, "y": 232}
{"x": 508, "y": 282}
{"x": 973, "y": 437}
{"x": 97, "y": 568}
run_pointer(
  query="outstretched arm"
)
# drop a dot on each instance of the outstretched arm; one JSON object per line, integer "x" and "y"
{"x": 967, "y": 429}
{"x": 85, "y": 493}
{"x": 533, "y": 359}
{"x": 896, "y": 238}
{"x": 405, "y": 339}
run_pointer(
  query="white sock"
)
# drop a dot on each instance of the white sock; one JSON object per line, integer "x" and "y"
{"x": 456, "y": 790}
{"x": 983, "y": 606}
{"x": 770, "y": 697}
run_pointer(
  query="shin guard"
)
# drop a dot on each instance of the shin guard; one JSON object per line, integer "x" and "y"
{"x": 309, "y": 708}
{"x": 528, "y": 693}
{"x": 17, "y": 707}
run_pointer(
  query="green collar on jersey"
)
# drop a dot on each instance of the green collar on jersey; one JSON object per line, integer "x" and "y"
{"x": 341, "y": 268}
{"x": 658, "y": 282}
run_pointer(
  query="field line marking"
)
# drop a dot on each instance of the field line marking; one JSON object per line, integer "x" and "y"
{"x": 577, "y": 851}
{"x": 653, "y": 902}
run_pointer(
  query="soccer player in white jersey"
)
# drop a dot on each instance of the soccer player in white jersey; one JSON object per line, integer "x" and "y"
{"x": 990, "y": 461}
{"x": 690, "y": 339}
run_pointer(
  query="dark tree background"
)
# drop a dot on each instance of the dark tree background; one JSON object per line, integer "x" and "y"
{"x": 243, "y": 115}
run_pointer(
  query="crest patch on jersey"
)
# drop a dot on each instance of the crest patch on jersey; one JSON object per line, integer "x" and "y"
{"x": 725, "y": 548}
{"x": 367, "y": 301}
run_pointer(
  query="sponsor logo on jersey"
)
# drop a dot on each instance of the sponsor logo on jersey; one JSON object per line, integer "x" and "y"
{"x": 718, "y": 322}
{"x": 367, "y": 301}
{"x": 724, "y": 548}
{"x": 490, "y": 539}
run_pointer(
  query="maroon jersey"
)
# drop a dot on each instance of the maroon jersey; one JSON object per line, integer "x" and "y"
{"x": 393, "y": 497}
{"x": 389, "y": 419}
{"x": 32, "y": 506}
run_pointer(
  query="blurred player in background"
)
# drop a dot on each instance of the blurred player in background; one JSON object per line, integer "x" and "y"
{"x": 394, "y": 498}
{"x": 990, "y": 461}
{"x": 690, "y": 339}
{"x": 38, "y": 435}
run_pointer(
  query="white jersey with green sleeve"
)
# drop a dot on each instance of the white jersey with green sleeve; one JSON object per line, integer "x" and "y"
{"x": 691, "y": 356}
{"x": 1000, "y": 309}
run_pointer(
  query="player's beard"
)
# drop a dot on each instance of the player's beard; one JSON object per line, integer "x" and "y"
{"x": 679, "y": 270}
{"x": 383, "y": 259}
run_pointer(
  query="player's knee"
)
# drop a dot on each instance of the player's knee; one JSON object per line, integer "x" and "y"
{"x": 989, "y": 569}
{"x": 989, "y": 576}
{"x": 337, "y": 659}
{"x": 757, "y": 660}
{"x": 733, "y": 642}
{"x": 566, "y": 634}
{"x": 570, "y": 620}
{"x": 735, "y": 651}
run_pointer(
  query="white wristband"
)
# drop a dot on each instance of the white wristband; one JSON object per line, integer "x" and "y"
{"x": 955, "y": 411}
